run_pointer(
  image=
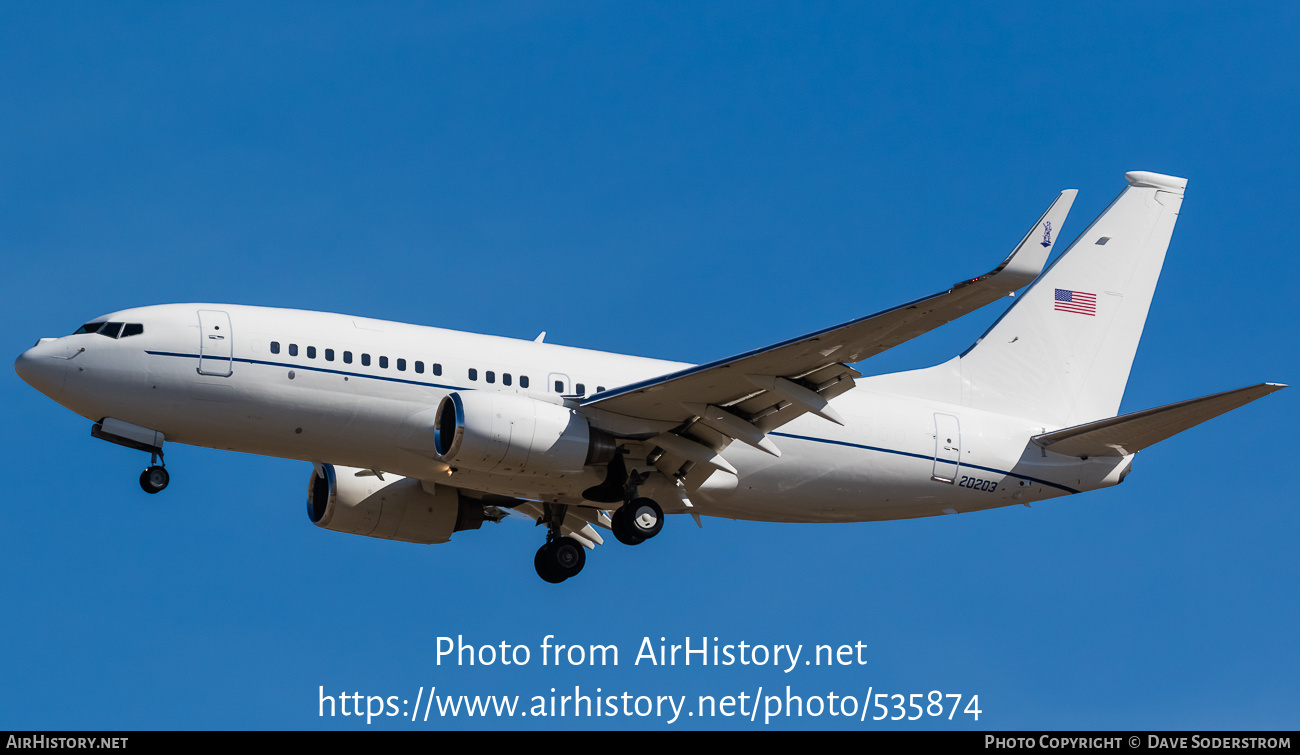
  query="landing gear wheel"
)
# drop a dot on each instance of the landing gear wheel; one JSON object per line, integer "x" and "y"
{"x": 623, "y": 530}
{"x": 560, "y": 559}
{"x": 154, "y": 479}
{"x": 542, "y": 563}
{"x": 637, "y": 521}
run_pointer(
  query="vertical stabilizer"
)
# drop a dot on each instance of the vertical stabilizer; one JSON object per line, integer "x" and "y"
{"x": 1062, "y": 352}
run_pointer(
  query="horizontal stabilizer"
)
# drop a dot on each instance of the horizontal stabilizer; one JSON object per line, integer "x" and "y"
{"x": 1130, "y": 433}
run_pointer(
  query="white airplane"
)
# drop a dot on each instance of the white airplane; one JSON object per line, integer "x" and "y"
{"x": 416, "y": 433}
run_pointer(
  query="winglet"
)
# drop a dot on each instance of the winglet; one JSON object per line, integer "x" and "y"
{"x": 1171, "y": 184}
{"x": 1026, "y": 261}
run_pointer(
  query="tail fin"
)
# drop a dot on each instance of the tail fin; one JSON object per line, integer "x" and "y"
{"x": 1063, "y": 351}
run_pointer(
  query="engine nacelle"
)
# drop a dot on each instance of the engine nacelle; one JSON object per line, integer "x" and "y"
{"x": 398, "y": 508}
{"x": 509, "y": 433}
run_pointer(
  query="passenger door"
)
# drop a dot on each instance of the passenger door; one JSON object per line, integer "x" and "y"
{"x": 216, "y": 346}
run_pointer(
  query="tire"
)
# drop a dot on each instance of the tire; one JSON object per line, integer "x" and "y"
{"x": 622, "y": 527}
{"x": 542, "y": 563}
{"x": 566, "y": 557}
{"x": 644, "y": 517}
{"x": 154, "y": 480}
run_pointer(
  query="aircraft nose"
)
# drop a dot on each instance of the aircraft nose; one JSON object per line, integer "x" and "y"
{"x": 41, "y": 367}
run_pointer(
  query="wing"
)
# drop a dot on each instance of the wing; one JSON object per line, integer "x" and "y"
{"x": 745, "y": 397}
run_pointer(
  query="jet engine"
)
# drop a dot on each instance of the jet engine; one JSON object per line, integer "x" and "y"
{"x": 509, "y": 433}
{"x": 396, "y": 508}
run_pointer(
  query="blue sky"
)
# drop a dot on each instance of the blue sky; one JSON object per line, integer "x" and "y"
{"x": 678, "y": 180}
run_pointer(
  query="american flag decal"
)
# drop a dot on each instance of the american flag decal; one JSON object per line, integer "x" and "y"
{"x": 1078, "y": 302}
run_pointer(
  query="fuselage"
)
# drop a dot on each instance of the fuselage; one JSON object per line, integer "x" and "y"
{"x": 353, "y": 391}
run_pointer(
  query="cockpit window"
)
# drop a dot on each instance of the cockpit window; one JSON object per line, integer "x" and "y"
{"x": 112, "y": 329}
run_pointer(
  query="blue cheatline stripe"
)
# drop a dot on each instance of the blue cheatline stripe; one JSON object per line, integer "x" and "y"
{"x": 310, "y": 368}
{"x": 327, "y": 371}
{"x": 923, "y": 456}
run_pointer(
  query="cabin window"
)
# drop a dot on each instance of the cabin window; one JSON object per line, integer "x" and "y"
{"x": 600, "y": 389}
{"x": 581, "y": 389}
{"x": 365, "y": 360}
{"x": 491, "y": 376}
{"x": 329, "y": 355}
{"x": 523, "y": 381}
{"x": 383, "y": 362}
{"x": 401, "y": 365}
{"x": 275, "y": 347}
{"x": 505, "y": 378}
{"x": 437, "y": 368}
{"x": 419, "y": 368}
{"x": 347, "y": 357}
{"x": 293, "y": 349}
{"x": 559, "y": 386}
{"x": 311, "y": 352}
{"x": 473, "y": 374}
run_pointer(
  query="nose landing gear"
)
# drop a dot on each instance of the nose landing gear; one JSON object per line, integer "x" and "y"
{"x": 155, "y": 478}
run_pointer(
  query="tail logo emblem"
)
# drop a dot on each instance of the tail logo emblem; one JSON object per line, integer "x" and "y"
{"x": 1047, "y": 234}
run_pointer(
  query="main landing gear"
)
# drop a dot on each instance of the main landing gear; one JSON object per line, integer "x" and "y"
{"x": 638, "y": 519}
{"x": 634, "y": 522}
{"x": 560, "y": 557}
{"x": 154, "y": 479}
